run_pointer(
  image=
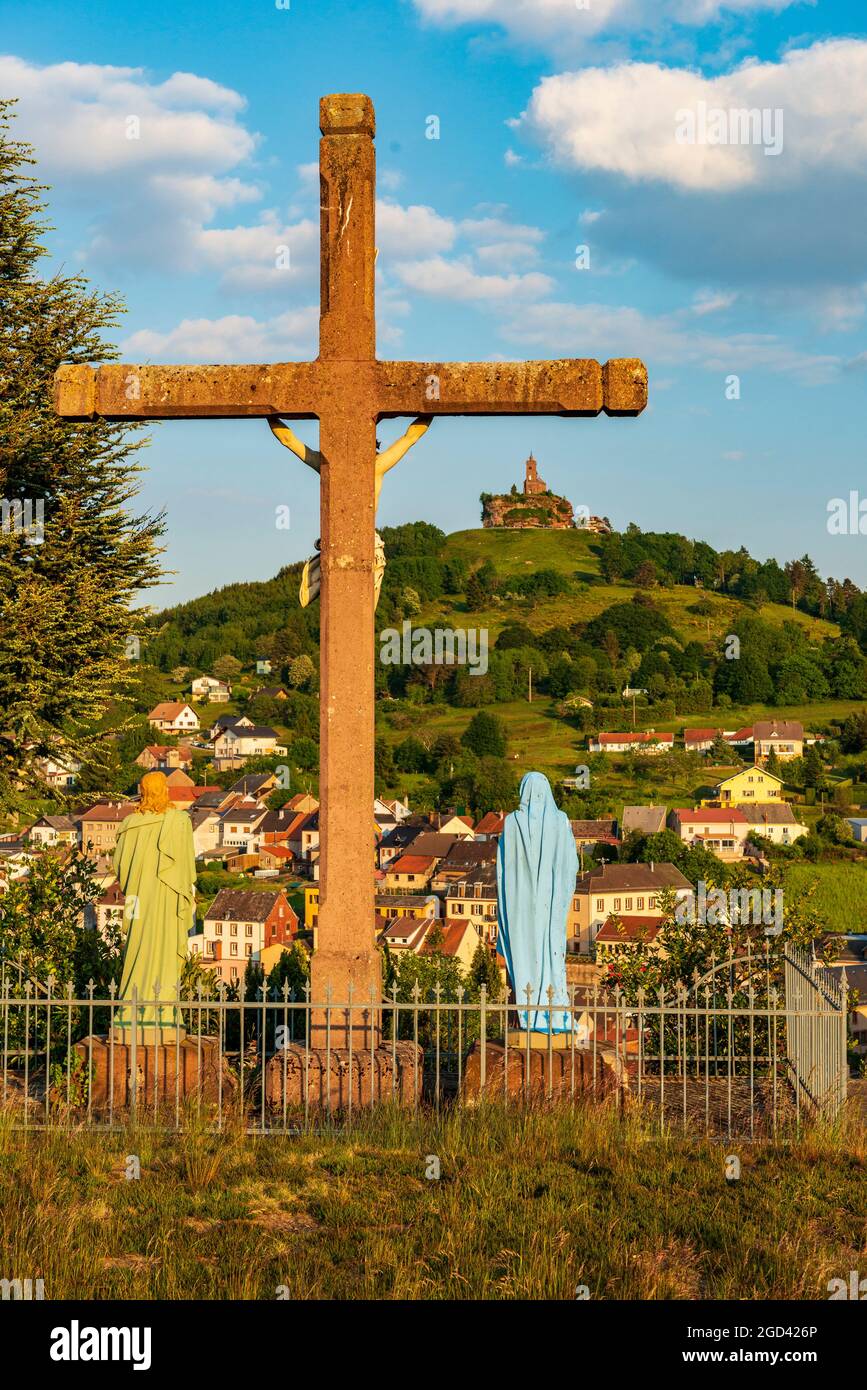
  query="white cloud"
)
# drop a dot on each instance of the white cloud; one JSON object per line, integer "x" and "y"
{"x": 412, "y": 231}
{"x": 558, "y": 24}
{"x": 624, "y": 119}
{"x": 456, "y": 280}
{"x": 234, "y": 338}
{"x": 79, "y": 117}
{"x": 712, "y": 301}
{"x": 604, "y": 330}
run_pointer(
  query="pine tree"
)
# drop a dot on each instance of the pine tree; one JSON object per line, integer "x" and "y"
{"x": 68, "y": 578}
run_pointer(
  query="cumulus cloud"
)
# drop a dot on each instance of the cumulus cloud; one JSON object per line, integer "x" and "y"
{"x": 559, "y": 24}
{"x": 628, "y": 119}
{"x": 593, "y": 330}
{"x": 233, "y": 338}
{"x": 730, "y": 214}
{"x": 457, "y": 280}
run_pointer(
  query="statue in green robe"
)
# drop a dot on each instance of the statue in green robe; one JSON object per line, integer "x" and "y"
{"x": 155, "y": 865}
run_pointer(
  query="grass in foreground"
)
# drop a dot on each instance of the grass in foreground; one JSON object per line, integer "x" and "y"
{"x": 528, "y": 1205}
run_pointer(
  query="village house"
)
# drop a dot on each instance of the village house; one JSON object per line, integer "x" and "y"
{"x": 283, "y": 827}
{"x": 722, "y": 831}
{"x": 276, "y": 859}
{"x": 700, "y": 740}
{"x": 206, "y": 829}
{"x": 619, "y": 935}
{"x": 644, "y": 820}
{"x": 174, "y": 717}
{"x": 395, "y": 843}
{"x": 592, "y": 833}
{"x": 754, "y": 785}
{"x": 436, "y": 842}
{"x": 239, "y": 829}
{"x": 239, "y": 925}
{"x": 463, "y": 857}
{"x": 624, "y": 889}
{"x": 98, "y": 827}
{"x": 228, "y": 721}
{"x": 161, "y": 757}
{"x": 269, "y": 692}
{"x": 410, "y": 873}
{"x": 394, "y": 905}
{"x": 775, "y": 822}
{"x": 209, "y": 688}
{"x": 396, "y": 811}
{"x": 59, "y": 772}
{"x": 105, "y": 915}
{"x": 257, "y": 785}
{"x": 53, "y": 830}
{"x": 785, "y": 736}
{"x": 233, "y": 746}
{"x": 449, "y": 824}
{"x": 405, "y": 933}
{"x": 649, "y": 742}
{"x": 458, "y": 940}
{"x": 490, "y": 827}
{"x": 741, "y": 738}
{"x": 308, "y": 843}
{"x": 474, "y": 900}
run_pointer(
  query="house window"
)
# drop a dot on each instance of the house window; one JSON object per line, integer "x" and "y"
{"x": 249, "y": 928}
{"x": 248, "y": 949}
{"x": 218, "y": 929}
{"x": 234, "y": 929}
{"x": 640, "y": 904}
{"x": 628, "y": 904}
{"x": 233, "y": 949}
{"x": 600, "y": 904}
{"x": 616, "y": 904}
{"x": 651, "y": 902}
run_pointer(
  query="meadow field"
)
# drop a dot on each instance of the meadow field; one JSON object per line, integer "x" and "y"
{"x": 527, "y": 1205}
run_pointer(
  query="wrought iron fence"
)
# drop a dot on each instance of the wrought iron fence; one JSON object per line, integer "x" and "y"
{"x": 731, "y": 1053}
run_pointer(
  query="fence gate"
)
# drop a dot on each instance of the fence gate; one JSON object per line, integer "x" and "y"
{"x": 816, "y": 1018}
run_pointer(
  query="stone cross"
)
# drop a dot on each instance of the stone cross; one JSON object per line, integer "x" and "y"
{"x": 348, "y": 389}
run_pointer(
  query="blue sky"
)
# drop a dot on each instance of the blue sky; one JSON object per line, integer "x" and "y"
{"x": 557, "y": 129}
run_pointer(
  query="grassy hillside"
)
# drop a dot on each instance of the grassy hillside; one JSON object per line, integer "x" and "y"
{"x": 574, "y": 553}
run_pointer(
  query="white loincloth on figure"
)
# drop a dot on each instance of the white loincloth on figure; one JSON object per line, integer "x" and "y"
{"x": 311, "y": 574}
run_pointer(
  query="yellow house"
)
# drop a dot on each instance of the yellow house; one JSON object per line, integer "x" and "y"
{"x": 311, "y": 905}
{"x": 755, "y": 785}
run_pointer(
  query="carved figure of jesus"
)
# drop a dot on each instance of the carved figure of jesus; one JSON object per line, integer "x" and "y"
{"x": 310, "y": 578}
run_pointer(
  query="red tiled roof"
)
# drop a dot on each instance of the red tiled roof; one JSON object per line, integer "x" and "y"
{"x": 412, "y": 863}
{"x": 103, "y": 812}
{"x": 629, "y": 929}
{"x": 635, "y": 738}
{"x": 712, "y": 815}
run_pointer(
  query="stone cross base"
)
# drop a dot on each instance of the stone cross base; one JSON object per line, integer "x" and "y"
{"x": 571, "y": 1073}
{"x": 165, "y": 1072}
{"x": 321, "y": 1078}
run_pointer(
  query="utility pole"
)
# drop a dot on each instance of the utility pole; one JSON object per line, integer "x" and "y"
{"x": 529, "y": 685}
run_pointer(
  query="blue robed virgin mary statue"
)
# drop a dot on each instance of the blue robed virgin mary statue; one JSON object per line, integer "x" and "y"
{"x": 537, "y": 863}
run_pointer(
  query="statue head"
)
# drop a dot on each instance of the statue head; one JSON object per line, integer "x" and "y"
{"x": 535, "y": 792}
{"x": 154, "y": 790}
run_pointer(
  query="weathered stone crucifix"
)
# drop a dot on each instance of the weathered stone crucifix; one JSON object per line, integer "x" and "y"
{"x": 348, "y": 390}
